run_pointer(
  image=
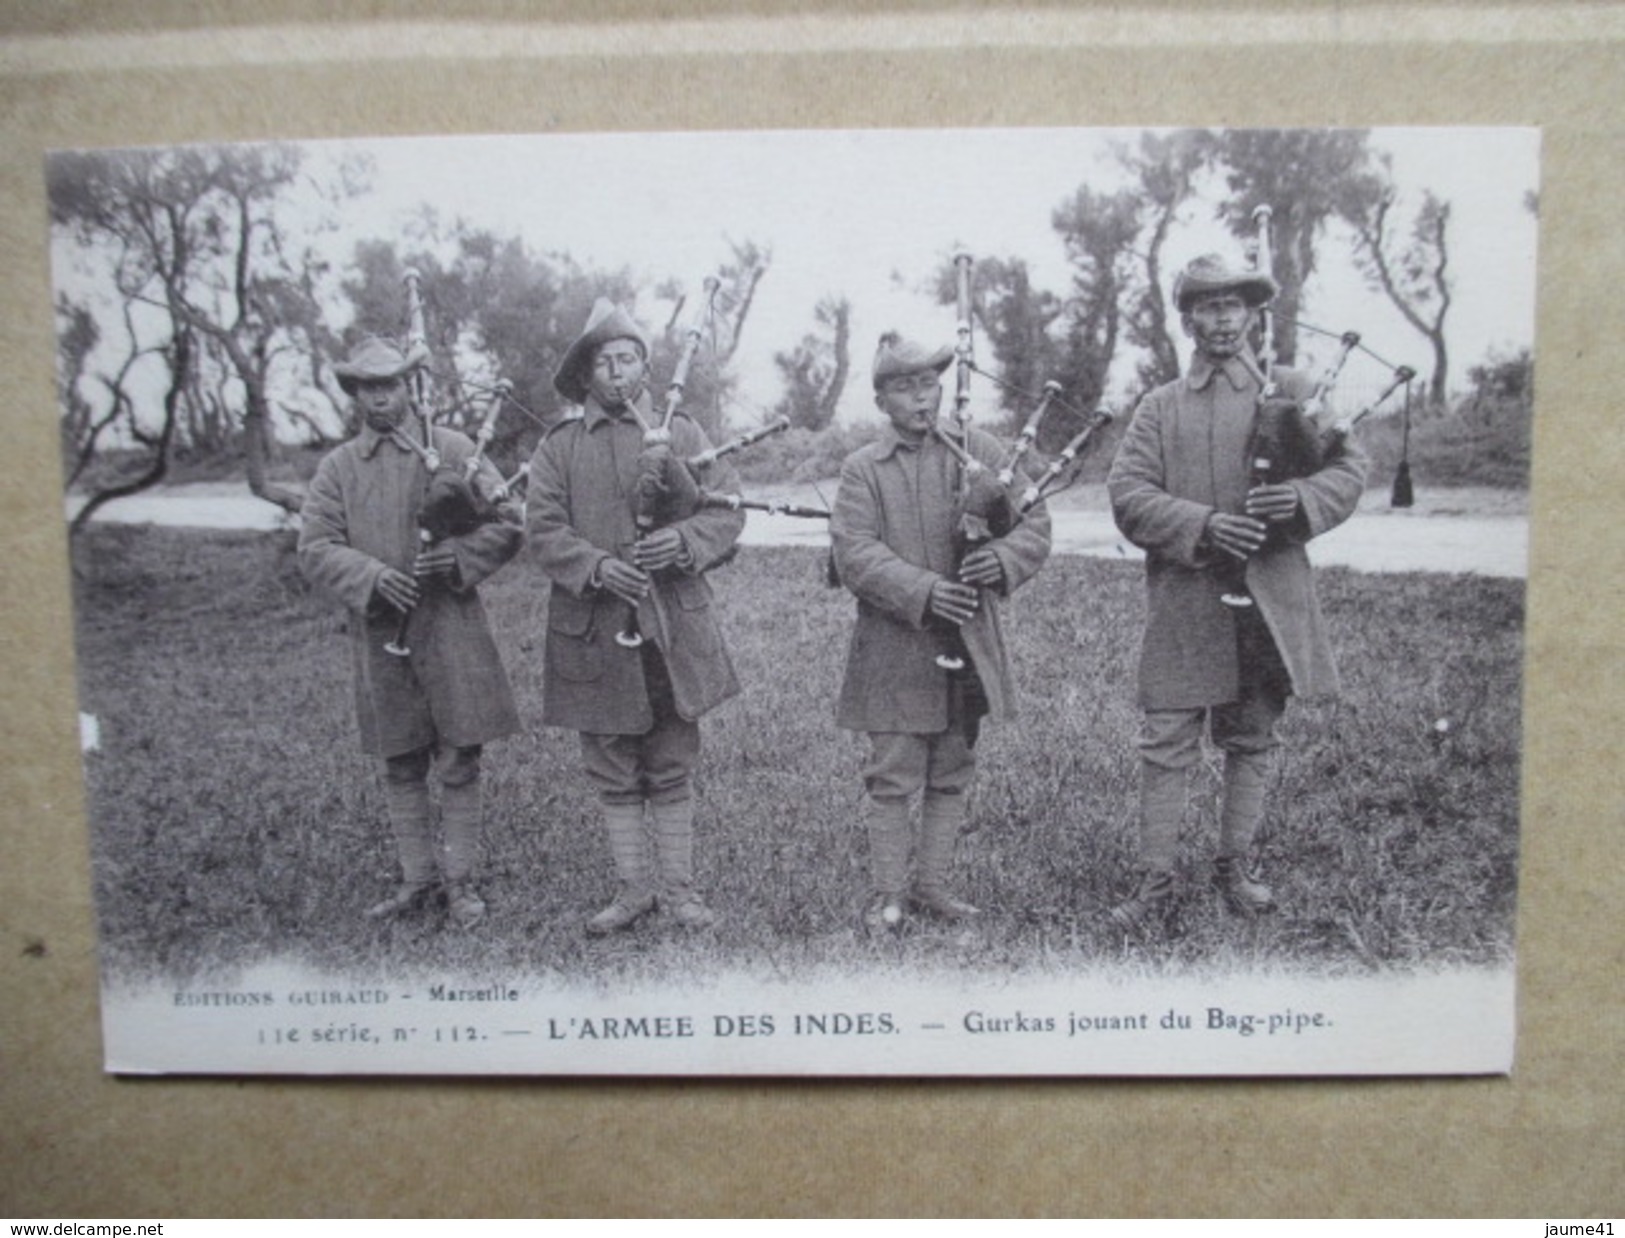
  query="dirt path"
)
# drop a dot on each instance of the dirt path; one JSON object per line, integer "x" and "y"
{"x": 1480, "y": 532}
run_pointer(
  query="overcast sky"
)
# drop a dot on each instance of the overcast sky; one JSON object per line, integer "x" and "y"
{"x": 846, "y": 212}
{"x": 869, "y": 214}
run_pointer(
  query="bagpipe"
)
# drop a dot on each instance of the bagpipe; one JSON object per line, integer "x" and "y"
{"x": 1291, "y": 439}
{"x": 454, "y": 502}
{"x": 669, "y": 488}
{"x": 985, "y": 507}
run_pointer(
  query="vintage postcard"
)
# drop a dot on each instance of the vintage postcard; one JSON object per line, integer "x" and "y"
{"x": 917, "y": 603}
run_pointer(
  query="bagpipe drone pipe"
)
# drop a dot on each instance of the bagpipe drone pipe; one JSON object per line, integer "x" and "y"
{"x": 1293, "y": 439}
{"x": 986, "y": 509}
{"x": 669, "y": 488}
{"x": 454, "y": 503}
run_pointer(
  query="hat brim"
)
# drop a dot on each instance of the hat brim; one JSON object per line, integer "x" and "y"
{"x": 1256, "y": 289}
{"x": 349, "y": 376}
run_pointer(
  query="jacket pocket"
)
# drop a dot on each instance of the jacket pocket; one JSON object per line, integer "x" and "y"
{"x": 572, "y": 638}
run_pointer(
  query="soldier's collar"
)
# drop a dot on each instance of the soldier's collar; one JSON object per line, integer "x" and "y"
{"x": 895, "y": 442}
{"x": 372, "y": 440}
{"x": 1234, "y": 371}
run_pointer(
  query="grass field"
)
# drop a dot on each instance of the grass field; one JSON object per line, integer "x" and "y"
{"x": 235, "y": 821}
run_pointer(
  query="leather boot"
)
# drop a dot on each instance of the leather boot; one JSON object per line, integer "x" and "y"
{"x": 464, "y": 904}
{"x": 1243, "y": 894}
{"x": 674, "y": 849}
{"x": 629, "y": 848}
{"x": 408, "y": 896}
{"x": 1149, "y": 905}
{"x": 887, "y": 824}
{"x": 941, "y": 819}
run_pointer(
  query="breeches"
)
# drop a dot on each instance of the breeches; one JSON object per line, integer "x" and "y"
{"x": 902, "y": 763}
{"x": 1245, "y": 727}
{"x": 655, "y": 766}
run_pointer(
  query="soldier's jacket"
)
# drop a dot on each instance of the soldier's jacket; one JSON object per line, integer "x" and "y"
{"x": 1183, "y": 457}
{"x": 582, "y": 484}
{"x": 893, "y": 529}
{"x": 360, "y": 517}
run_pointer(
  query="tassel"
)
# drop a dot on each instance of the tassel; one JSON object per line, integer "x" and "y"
{"x": 1403, "y": 495}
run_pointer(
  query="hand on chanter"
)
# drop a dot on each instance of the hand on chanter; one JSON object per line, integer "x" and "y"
{"x": 982, "y": 569}
{"x": 1238, "y": 536}
{"x": 623, "y": 580}
{"x": 953, "y": 601}
{"x": 397, "y": 588}
{"x": 436, "y": 562}
{"x": 661, "y": 549}
{"x": 1275, "y": 503}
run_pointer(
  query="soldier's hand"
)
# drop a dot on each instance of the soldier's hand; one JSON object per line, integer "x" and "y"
{"x": 1235, "y": 535}
{"x": 1275, "y": 503}
{"x": 983, "y": 569}
{"x": 397, "y": 588}
{"x": 623, "y": 580}
{"x": 435, "y": 562}
{"x": 660, "y": 549}
{"x": 953, "y": 601}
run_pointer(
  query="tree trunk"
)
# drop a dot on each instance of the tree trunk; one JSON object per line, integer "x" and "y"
{"x": 256, "y": 453}
{"x": 180, "y": 364}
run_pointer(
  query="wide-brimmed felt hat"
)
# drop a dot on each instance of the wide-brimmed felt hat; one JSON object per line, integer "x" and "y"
{"x": 899, "y": 356}
{"x": 1213, "y": 273}
{"x": 377, "y": 359}
{"x": 607, "y": 322}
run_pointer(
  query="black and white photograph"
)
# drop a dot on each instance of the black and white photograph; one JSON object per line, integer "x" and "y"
{"x": 879, "y": 602}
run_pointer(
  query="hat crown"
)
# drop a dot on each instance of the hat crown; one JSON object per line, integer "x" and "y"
{"x": 895, "y": 356}
{"x": 1211, "y": 273}
{"x": 376, "y": 359}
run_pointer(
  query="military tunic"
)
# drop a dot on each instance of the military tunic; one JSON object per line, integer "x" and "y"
{"x": 359, "y": 518}
{"x": 583, "y": 477}
{"x": 893, "y": 530}
{"x": 1183, "y": 458}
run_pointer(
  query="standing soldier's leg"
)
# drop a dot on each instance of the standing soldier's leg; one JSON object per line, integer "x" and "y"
{"x": 1170, "y": 744}
{"x": 896, "y": 769}
{"x": 942, "y": 819}
{"x": 460, "y": 822}
{"x": 671, "y": 750}
{"x": 406, "y": 799}
{"x": 612, "y": 763}
{"x": 1245, "y": 731}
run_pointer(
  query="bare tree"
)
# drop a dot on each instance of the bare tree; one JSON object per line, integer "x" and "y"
{"x": 815, "y": 371}
{"x": 195, "y": 234}
{"x": 1413, "y": 270}
{"x": 1165, "y": 169}
{"x": 1307, "y": 177}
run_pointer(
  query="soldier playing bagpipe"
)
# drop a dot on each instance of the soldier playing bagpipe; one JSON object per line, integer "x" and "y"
{"x": 1183, "y": 488}
{"x": 447, "y": 695}
{"x": 897, "y": 533}
{"x": 634, "y": 652}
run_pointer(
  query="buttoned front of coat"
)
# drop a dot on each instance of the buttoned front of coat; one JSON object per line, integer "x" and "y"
{"x": 583, "y": 479}
{"x": 893, "y": 530}
{"x": 359, "y": 518}
{"x": 1183, "y": 458}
